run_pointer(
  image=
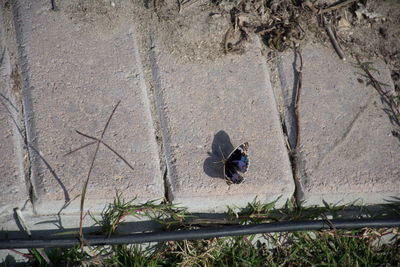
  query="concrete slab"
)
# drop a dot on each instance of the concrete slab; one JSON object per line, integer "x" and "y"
{"x": 72, "y": 80}
{"x": 220, "y": 104}
{"x": 13, "y": 191}
{"x": 347, "y": 152}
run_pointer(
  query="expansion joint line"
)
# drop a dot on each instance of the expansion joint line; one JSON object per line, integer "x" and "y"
{"x": 165, "y": 179}
{"x": 21, "y": 125}
{"x": 297, "y": 92}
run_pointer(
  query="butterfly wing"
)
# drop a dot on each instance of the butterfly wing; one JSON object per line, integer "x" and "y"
{"x": 238, "y": 160}
{"x": 239, "y": 157}
{"x": 231, "y": 174}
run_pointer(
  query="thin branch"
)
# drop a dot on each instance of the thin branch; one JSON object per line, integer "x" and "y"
{"x": 321, "y": 11}
{"x": 297, "y": 97}
{"x": 90, "y": 171}
{"x": 333, "y": 39}
{"x": 79, "y": 148}
{"x": 105, "y": 144}
{"x": 299, "y": 78}
{"x": 336, "y": 6}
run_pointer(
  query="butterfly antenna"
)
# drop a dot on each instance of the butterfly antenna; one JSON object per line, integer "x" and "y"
{"x": 222, "y": 154}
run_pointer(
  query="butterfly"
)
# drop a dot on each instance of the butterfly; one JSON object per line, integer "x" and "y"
{"x": 237, "y": 161}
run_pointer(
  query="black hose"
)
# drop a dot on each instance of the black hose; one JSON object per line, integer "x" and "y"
{"x": 202, "y": 233}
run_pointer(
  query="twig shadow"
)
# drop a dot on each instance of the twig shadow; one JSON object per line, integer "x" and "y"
{"x": 213, "y": 165}
{"x": 31, "y": 146}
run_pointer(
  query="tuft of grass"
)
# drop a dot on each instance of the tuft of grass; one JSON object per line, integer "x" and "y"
{"x": 339, "y": 248}
{"x": 363, "y": 247}
{"x": 162, "y": 213}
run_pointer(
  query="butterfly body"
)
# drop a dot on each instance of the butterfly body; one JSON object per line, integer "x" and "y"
{"x": 237, "y": 161}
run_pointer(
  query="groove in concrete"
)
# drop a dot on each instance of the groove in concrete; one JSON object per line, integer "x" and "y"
{"x": 12, "y": 177}
{"x": 347, "y": 152}
{"x": 72, "y": 78}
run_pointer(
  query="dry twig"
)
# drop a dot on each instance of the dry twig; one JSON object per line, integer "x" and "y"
{"x": 297, "y": 96}
{"x": 336, "y": 6}
{"x": 105, "y": 144}
{"x": 90, "y": 171}
{"x": 333, "y": 39}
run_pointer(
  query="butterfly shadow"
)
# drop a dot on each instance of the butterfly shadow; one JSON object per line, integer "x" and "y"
{"x": 213, "y": 165}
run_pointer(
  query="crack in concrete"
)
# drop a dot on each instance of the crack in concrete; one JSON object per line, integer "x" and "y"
{"x": 290, "y": 119}
{"x": 167, "y": 193}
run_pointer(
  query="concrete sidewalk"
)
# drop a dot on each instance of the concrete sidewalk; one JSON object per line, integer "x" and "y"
{"x": 71, "y": 80}
{"x": 347, "y": 152}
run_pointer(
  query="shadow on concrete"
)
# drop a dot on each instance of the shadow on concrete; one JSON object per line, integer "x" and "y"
{"x": 30, "y": 136}
{"x": 213, "y": 165}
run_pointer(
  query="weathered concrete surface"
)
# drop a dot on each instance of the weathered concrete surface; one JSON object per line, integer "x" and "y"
{"x": 220, "y": 104}
{"x": 347, "y": 151}
{"x": 72, "y": 79}
{"x": 13, "y": 191}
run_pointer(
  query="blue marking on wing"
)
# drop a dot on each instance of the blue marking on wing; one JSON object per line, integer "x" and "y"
{"x": 242, "y": 163}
